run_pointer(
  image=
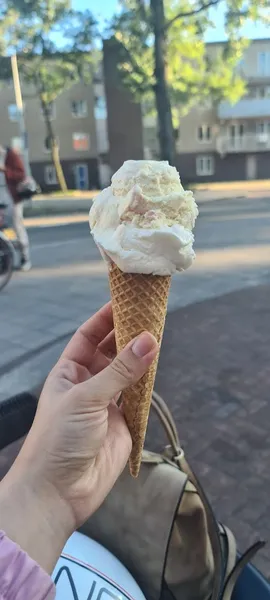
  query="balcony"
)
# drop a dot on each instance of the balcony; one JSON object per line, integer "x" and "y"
{"x": 248, "y": 108}
{"x": 245, "y": 143}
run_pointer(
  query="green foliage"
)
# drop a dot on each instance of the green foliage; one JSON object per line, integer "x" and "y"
{"x": 55, "y": 45}
{"x": 194, "y": 73}
{"x": 134, "y": 33}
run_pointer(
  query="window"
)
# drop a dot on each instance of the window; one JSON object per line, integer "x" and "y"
{"x": 205, "y": 165}
{"x": 236, "y": 136}
{"x": 252, "y": 92}
{"x": 259, "y": 92}
{"x": 260, "y": 127}
{"x": 51, "y": 109}
{"x": 100, "y": 108}
{"x": 266, "y": 91}
{"x": 13, "y": 112}
{"x": 241, "y": 129}
{"x": 236, "y": 130}
{"x": 47, "y": 144}
{"x": 264, "y": 63}
{"x": 50, "y": 175}
{"x": 263, "y": 130}
{"x": 81, "y": 177}
{"x": 80, "y": 141}
{"x": 204, "y": 133}
{"x": 79, "y": 108}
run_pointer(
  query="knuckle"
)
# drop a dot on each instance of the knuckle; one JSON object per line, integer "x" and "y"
{"x": 123, "y": 370}
{"x": 65, "y": 368}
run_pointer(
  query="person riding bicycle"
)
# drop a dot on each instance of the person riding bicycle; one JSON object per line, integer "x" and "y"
{"x": 12, "y": 166}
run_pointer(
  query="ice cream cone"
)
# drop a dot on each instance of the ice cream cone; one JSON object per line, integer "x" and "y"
{"x": 142, "y": 224}
{"x": 139, "y": 303}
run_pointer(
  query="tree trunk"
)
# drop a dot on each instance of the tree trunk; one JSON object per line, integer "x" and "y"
{"x": 163, "y": 105}
{"x": 57, "y": 165}
{"x": 54, "y": 148}
{"x": 53, "y": 145}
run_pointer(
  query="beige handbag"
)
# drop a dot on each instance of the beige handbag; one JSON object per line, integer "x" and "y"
{"x": 162, "y": 528}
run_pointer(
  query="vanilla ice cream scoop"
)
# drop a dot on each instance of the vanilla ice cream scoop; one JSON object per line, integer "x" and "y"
{"x": 143, "y": 222}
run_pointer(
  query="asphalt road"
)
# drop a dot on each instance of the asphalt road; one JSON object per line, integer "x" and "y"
{"x": 69, "y": 281}
{"x": 231, "y": 239}
{"x": 221, "y": 223}
{"x": 62, "y": 245}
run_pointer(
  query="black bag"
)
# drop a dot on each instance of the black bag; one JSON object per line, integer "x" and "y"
{"x": 27, "y": 188}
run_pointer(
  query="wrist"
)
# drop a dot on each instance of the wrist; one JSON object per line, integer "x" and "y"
{"x": 34, "y": 516}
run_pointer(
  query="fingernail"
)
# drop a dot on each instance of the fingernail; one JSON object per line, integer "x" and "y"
{"x": 143, "y": 345}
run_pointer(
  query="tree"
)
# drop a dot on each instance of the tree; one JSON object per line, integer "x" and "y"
{"x": 55, "y": 47}
{"x": 165, "y": 57}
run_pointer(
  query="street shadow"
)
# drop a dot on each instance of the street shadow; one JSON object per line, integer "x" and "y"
{"x": 234, "y": 223}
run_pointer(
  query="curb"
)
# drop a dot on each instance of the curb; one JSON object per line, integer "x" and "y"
{"x": 44, "y": 208}
{"x": 72, "y": 206}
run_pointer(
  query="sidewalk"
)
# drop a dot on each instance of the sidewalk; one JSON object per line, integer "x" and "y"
{"x": 43, "y": 206}
{"x": 58, "y": 205}
{"x": 55, "y": 220}
{"x": 249, "y": 185}
{"x": 214, "y": 372}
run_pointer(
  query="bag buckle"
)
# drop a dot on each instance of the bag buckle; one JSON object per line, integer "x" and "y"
{"x": 170, "y": 452}
{"x": 179, "y": 457}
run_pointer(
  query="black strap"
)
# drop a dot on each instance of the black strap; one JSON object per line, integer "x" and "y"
{"x": 167, "y": 421}
{"x": 241, "y": 563}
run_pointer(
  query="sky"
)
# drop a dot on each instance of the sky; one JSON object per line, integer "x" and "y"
{"x": 104, "y": 9}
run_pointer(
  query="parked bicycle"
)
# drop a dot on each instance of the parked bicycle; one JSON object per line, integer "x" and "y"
{"x": 7, "y": 249}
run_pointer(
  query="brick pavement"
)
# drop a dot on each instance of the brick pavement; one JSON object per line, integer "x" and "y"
{"x": 215, "y": 373}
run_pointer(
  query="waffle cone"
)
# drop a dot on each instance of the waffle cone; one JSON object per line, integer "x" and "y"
{"x": 139, "y": 303}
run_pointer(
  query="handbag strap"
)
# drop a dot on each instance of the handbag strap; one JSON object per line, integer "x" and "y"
{"x": 230, "y": 549}
{"x": 238, "y": 568}
{"x": 166, "y": 419}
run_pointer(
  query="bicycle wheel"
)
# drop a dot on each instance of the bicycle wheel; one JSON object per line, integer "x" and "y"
{"x": 6, "y": 261}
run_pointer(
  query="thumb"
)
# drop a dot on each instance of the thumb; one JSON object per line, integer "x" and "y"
{"x": 126, "y": 369}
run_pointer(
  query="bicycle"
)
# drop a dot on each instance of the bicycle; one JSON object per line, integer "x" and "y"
{"x": 6, "y": 250}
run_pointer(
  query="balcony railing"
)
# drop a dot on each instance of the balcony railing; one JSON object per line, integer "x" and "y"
{"x": 244, "y": 143}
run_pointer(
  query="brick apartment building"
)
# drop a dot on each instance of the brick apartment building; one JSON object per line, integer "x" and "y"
{"x": 73, "y": 120}
{"x": 92, "y": 139}
{"x": 98, "y": 126}
{"x": 230, "y": 142}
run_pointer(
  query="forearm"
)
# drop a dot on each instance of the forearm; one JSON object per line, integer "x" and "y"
{"x": 21, "y": 578}
{"x": 33, "y": 517}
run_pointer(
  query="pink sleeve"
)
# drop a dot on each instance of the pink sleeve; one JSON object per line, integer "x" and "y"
{"x": 21, "y": 578}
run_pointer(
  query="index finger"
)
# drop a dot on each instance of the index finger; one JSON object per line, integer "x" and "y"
{"x": 83, "y": 344}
